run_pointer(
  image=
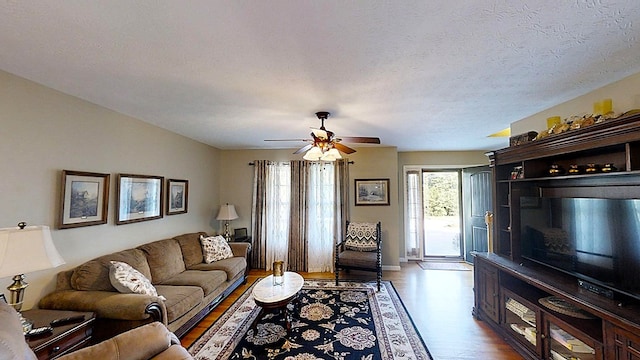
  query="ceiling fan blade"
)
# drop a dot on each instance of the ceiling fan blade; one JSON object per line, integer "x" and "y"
{"x": 360, "y": 139}
{"x": 343, "y": 148}
{"x": 303, "y": 149}
{"x": 287, "y": 140}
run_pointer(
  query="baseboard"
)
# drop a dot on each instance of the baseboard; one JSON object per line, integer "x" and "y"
{"x": 391, "y": 268}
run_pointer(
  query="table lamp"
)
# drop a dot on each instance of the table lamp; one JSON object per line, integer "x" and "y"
{"x": 227, "y": 212}
{"x": 25, "y": 249}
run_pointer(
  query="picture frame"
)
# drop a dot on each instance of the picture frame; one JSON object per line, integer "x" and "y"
{"x": 84, "y": 199}
{"x": 370, "y": 192}
{"x": 140, "y": 198}
{"x": 177, "y": 196}
{"x": 3, "y": 299}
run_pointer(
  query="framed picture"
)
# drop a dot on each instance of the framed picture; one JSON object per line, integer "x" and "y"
{"x": 372, "y": 192}
{"x": 140, "y": 198}
{"x": 85, "y": 199}
{"x": 3, "y": 299}
{"x": 177, "y": 196}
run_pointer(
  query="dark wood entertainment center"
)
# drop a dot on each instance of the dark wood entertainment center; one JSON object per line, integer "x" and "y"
{"x": 508, "y": 287}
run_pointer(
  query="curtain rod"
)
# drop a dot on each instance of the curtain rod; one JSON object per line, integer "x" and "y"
{"x": 348, "y": 162}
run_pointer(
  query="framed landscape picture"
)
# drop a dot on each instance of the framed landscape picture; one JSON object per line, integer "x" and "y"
{"x": 85, "y": 199}
{"x": 140, "y": 198}
{"x": 177, "y": 196}
{"x": 372, "y": 192}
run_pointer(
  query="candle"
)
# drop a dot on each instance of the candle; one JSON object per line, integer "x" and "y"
{"x": 554, "y": 120}
{"x": 597, "y": 108}
{"x": 607, "y": 106}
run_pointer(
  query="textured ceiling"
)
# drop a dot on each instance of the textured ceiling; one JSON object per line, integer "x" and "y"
{"x": 421, "y": 75}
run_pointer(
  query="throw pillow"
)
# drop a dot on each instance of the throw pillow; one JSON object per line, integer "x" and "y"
{"x": 362, "y": 237}
{"x": 128, "y": 280}
{"x": 215, "y": 248}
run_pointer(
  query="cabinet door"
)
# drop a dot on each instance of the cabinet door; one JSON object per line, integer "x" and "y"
{"x": 489, "y": 296}
{"x": 565, "y": 342}
{"x": 621, "y": 344}
{"x": 520, "y": 319}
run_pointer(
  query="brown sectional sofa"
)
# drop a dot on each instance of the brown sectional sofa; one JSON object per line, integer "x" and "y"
{"x": 174, "y": 266}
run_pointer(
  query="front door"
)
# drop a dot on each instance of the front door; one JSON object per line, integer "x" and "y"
{"x": 476, "y": 201}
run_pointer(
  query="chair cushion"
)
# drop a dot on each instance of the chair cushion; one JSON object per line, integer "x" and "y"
{"x": 360, "y": 259}
{"x": 361, "y": 237}
{"x": 12, "y": 344}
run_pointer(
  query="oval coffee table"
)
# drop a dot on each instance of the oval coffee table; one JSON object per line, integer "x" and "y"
{"x": 276, "y": 297}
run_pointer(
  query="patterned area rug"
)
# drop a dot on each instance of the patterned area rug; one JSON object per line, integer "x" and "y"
{"x": 432, "y": 265}
{"x": 349, "y": 321}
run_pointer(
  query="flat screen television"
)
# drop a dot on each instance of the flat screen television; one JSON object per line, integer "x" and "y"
{"x": 596, "y": 240}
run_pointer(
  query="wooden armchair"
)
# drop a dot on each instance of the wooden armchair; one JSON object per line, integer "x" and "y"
{"x": 360, "y": 250}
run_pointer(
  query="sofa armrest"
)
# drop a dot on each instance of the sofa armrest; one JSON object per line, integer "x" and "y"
{"x": 240, "y": 249}
{"x": 108, "y": 304}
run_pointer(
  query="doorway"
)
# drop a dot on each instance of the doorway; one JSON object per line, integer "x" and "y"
{"x": 442, "y": 216}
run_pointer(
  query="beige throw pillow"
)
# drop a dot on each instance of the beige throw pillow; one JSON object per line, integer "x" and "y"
{"x": 128, "y": 280}
{"x": 215, "y": 248}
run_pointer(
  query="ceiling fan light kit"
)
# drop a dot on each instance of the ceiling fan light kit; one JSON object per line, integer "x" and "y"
{"x": 324, "y": 146}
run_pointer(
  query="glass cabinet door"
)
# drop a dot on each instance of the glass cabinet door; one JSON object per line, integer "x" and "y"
{"x": 563, "y": 345}
{"x": 520, "y": 319}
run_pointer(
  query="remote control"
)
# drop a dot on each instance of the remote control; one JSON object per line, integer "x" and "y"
{"x": 68, "y": 320}
{"x": 45, "y": 330}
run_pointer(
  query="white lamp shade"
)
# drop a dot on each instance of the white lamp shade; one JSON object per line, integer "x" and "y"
{"x": 331, "y": 155}
{"x": 227, "y": 212}
{"x": 314, "y": 154}
{"x": 27, "y": 250}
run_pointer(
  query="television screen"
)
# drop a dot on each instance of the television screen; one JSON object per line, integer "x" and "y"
{"x": 597, "y": 240}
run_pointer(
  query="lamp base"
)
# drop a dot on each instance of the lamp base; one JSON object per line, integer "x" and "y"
{"x": 27, "y": 324}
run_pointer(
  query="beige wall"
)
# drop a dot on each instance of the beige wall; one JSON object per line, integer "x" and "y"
{"x": 624, "y": 93}
{"x": 44, "y": 131}
{"x": 369, "y": 162}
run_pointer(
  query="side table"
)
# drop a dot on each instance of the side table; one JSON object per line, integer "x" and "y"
{"x": 65, "y": 338}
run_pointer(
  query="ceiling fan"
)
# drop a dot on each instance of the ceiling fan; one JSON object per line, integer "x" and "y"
{"x": 324, "y": 145}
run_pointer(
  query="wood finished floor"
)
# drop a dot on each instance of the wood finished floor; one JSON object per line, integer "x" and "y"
{"x": 439, "y": 302}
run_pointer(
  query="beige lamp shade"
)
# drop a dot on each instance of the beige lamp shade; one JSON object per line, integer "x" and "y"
{"x": 27, "y": 250}
{"x": 227, "y": 212}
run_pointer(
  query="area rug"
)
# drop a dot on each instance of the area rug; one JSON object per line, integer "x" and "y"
{"x": 444, "y": 265}
{"x": 349, "y": 321}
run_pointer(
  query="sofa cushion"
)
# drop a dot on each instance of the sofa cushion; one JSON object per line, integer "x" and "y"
{"x": 164, "y": 258}
{"x": 215, "y": 248}
{"x": 94, "y": 274}
{"x": 128, "y": 280}
{"x": 180, "y": 299}
{"x": 207, "y": 280}
{"x": 191, "y": 248}
{"x": 232, "y": 266}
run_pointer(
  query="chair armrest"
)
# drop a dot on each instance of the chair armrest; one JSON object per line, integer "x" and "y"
{"x": 107, "y": 304}
{"x": 144, "y": 342}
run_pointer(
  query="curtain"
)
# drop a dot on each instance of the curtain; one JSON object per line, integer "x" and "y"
{"x": 321, "y": 216}
{"x": 342, "y": 199}
{"x": 258, "y": 216}
{"x": 270, "y": 214}
{"x": 298, "y": 249}
{"x": 298, "y": 215}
